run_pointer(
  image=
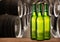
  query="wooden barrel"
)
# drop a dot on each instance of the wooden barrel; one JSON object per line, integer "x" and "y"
{"x": 58, "y": 24}
{"x": 11, "y": 7}
{"x": 9, "y": 26}
{"x": 2, "y": 7}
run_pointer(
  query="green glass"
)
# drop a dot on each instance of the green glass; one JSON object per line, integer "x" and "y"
{"x": 39, "y": 22}
{"x": 33, "y": 22}
{"x": 46, "y": 22}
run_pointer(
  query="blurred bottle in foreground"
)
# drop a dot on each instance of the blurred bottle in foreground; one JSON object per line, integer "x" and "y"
{"x": 39, "y": 22}
{"x": 46, "y": 22}
{"x": 33, "y": 22}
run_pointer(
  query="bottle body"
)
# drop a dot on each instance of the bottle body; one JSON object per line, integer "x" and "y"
{"x": 46, "y": 22}
{"x": 39, "y": 22}
{"x": 40, "y": 28}
{"x": 33, "y": 22}
{"x": 46, "y": 27}
{"x": 33, "y": 26}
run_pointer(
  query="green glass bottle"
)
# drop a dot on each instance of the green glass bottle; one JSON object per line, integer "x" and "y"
{"x": 46, "y": 22}
{"x": 33, "y": 22}
{"x": 39, "y": 22}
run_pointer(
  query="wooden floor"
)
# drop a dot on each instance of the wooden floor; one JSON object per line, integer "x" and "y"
{"x": 26, "y": 40}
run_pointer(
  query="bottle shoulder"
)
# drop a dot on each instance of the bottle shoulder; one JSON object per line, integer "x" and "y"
{"x": 47, "y": 16}
{"x": 33, "y": 14}
{"x": 33, "y": 17}
{"x": 40, "y": 18}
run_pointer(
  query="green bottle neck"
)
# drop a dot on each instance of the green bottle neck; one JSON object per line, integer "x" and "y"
{"x": 39, "y": 14}
{"x": 34, "y": 10}
{"x": 39, "y": 7}
{"x": 39, "y": 11}
{"x": 46, "y": 9}
{"x": 34, "y": 14}
{"x": 45, "y": 13}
